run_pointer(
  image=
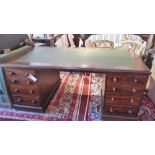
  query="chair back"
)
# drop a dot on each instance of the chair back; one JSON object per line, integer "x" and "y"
{"x": 103, "y": 44}
{"x": 138, "y": 47}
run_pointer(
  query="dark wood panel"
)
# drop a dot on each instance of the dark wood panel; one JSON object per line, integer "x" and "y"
{"x": 26, "y": 100}
{"x": 123, "y": 94}
{"x": 133, "y": 79}
{"x": 27, "y": 94}
{"x": 129, "y": 110}
{"x": 121, "y": 99}
{"x": 48, "y": 80}
{"x": 125, "y": 88}
{"x": 18, "y": 89}
{"x": 21, "y": 81}
{"x": 16, "y": 72}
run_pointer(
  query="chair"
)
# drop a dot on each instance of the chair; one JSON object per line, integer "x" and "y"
{"x": 105, "y": 40}
{"x": 138, "y": 47}
{"x": 103, "y": 44}
{"x": 141, "y": 50}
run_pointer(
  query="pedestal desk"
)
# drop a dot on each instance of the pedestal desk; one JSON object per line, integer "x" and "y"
{"x": 33, "y": 78}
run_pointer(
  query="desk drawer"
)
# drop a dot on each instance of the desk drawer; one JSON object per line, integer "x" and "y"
{"x": 125, "y": 88}
{"x": 132, "y": 110}
{"x": 17, "y": 89}
{"x": 10, "y": 72}
{"x": 121, "y": 99}
{"x": 26, "y": 100}
{"x": 21, "y": 81}
{"x": 126, "y": 78}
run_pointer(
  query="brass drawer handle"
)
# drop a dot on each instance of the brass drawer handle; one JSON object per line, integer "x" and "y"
{"x": 132, "y": 100}
{"x": 129, "y": 111}
{"x": 29, "y": 82}
{"x": 34, "y": 101}
{"x": 111, "y": 110}
{"x": 112, "y": 99}
{"x": 17, "y": 91}
{"x": 26, "y": 74}
{"x": 14, "y": 81}
{"x": 31, "y": 91}
{"x": 114, "y": 89}
{"x": 12, "y": 73}
{"x": 19, "y": 100}
{"x": 136, "y": 80}
{"x": 115, "y": 79}
{"x": 134, "y": 90}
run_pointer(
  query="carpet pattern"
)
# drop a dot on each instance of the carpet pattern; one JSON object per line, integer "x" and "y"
{"x": 147, "y": 110}
{"x": 78, "y": 98}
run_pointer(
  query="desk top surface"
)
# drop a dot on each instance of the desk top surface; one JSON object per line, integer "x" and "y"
{"x": 81, "y": 59}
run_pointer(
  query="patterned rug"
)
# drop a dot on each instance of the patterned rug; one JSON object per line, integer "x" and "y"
{"x": 78, "y": 98}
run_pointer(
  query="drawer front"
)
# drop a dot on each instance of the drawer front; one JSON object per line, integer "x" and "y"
{"x": 26, "y": 100}
{"x": 122, "y": 110}
{"x": 125, "y": 88}
{"x": 17, "y": 89}
{"x": 21, "y": 81}
{"x": 18, "y": 72}
{"x": 121, "y": 99}
{"x": 126, "y": 78}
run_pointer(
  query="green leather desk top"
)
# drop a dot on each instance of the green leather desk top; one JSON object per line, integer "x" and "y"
{"x": 81, "y": 59}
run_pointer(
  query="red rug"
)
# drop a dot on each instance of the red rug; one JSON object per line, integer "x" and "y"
{"x": 78, "y": 98}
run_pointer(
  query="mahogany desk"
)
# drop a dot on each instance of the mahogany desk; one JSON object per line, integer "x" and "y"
{"x": 33, "y": 78}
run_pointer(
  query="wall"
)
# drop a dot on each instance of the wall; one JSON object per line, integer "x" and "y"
{"x": 10, "y": 40}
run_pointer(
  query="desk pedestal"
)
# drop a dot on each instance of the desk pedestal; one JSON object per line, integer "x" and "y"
{"x": 31, "y": 89}
{"x": 123, "y": 94}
